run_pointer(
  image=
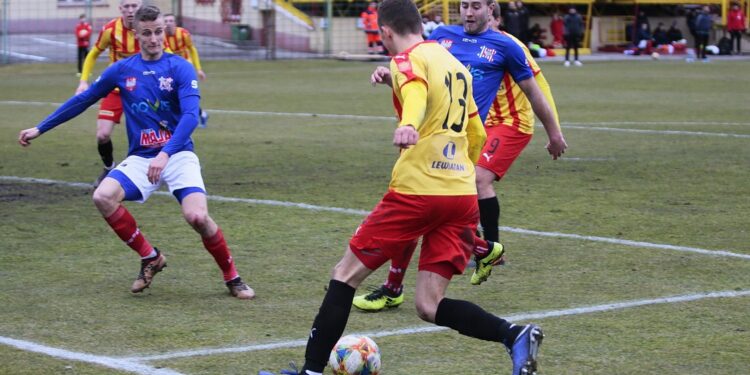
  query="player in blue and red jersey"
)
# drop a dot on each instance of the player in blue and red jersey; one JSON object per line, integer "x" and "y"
{"x": 160, "y": 99}
{"x": 491, "y": 57}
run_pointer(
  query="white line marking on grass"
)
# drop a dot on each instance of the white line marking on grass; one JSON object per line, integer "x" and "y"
{"x": 115, "y": 363}
{"x": 586, "y": 159}
{"x": 664, "y": 132}
{"x": 24, "y": 56}
{"x": 627, "y": 242}
{"x": 303, "y": 114}
{"x": 391, "y": 118}
{"x": 17, "y": 102}
{"x": 352, "y": 211}
{"x": 54, "y": 42}
{"x": 432, "y": 328}
{"x": 686, "y": 123}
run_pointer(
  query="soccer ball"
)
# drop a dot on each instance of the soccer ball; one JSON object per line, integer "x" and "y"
{"x": 355, "y": 355}
{"x": 83, "y": 34}
{"x": 655, "y": 55}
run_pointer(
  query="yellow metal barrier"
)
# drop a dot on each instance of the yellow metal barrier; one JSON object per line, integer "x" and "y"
{"x": 289, "y": 7}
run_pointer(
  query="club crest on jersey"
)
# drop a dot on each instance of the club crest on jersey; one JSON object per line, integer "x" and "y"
{"x": 446, "y": 43}
{"x": 130, "y": 83}
{"x": 165, "y": 84}
{"x": 487, "y": 53}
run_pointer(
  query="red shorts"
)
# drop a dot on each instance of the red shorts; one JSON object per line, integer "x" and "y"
{"x": 111, "y": 107}
{"x": 445, "y": 223}
{"x": 373, "y": 37}
{"x": 501, "y": 149}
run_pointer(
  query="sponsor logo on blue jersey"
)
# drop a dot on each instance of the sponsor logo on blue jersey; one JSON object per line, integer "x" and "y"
{"x": 476, "y": 73}
{"x": 146, "y": 105}
{"x": 155, "y": 138}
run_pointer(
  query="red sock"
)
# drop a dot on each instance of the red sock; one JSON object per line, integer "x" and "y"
{"x": 218, "y": 248}
{"x": 126, "y": 228}
{"x": 399, "y": 264}
{"x": 481, "y": 247}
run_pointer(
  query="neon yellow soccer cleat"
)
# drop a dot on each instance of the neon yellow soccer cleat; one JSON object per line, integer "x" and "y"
{"x": 377, "y": 300}
{"x": 484, "y": 266}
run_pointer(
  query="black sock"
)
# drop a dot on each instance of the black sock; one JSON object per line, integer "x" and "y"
{"x": 489, "y": 217}
{"x": 471, "y": 320}
{"x": 328, "y": 326}
{"x": 106, "y": 152}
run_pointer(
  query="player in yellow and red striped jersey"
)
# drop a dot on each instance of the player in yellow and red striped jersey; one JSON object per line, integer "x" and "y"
{"x": 179, "y": 40}
{"x": 512, "y": 113}
{"x": 117, "y": 36}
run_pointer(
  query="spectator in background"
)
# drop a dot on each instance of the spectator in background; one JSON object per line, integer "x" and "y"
{"x": 557, "y": 28}
{"x": 703, "y": 24}
{"x": 573, "y": 32}
{"x": 674, "y": 34}
{"x": 660, "y": 35}
{"x": 523, "y": 18}
{"x": 644, "y": 40}
{"x": 83, "y": 39}
{"x": 369, "y": 20}
{"x": 513, "y": 20}
{"x": 690, "y": 19}
{"x": 736, "y": 25}
{"x": 642, "y": 19}
{"x": 535, "y": 35}
{"x": 438, "y": 20}
{"x": 429, "y": 25}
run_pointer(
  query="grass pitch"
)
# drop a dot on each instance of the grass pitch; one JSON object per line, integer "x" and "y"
{"x": 658, "y": 154}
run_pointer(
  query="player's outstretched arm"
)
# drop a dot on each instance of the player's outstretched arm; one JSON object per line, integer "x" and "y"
{"x": 556, "y": 145}
{"x": 381, "y": 75}
{"x": 26, "y": 135}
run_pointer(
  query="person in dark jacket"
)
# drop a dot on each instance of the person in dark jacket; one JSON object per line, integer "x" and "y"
{"x": 513, "y": 20}
{"x": 674, "y": 34}
{"x": 523, "y": 15}
{"x": 573, "y": 32}
{"x": 660, "y": 35}
{"x": 703, "y": 24}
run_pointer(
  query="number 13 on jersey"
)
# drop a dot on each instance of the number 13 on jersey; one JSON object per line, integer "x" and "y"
{"x": 458, "y": 89}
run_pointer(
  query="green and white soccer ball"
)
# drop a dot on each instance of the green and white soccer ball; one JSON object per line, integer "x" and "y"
{"x": 355, "y": 355}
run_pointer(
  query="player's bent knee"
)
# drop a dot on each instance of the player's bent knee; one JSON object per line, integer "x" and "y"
{"x": 103, "y": 138}
{"x": 196, "y": 219}
{"x": 105, "y": 200}
{"x": 350, "y": 270}
{"x": 426, "y": 310}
